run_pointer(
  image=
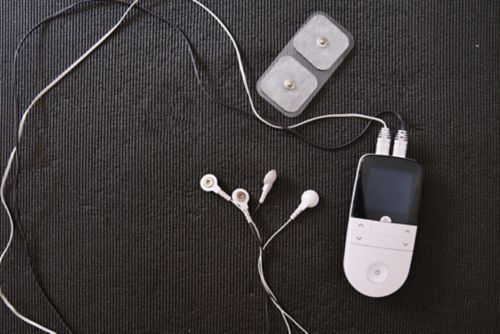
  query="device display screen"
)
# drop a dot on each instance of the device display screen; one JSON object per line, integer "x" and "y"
{"x": 388, "y": 189}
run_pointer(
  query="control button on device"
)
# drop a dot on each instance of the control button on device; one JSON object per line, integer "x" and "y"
{"x": 360, "y": 226}
{"x": 407, "y": 243}
{"x": 359, "y": 237}
{"x": 407, "y": 231}
{"x": 385, "y": 241}
{"x": 407, "y": 238}
{"x": 386, "y": 219}
{"x": 377, "y": 272}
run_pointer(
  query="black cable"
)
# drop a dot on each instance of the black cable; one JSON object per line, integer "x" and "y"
{"x": 256, "y": 209}
{"x": 402, "y": 126}
{"x": 200, "y": 83}
{"x": 14, "y": 181}
{"x": 194, "y": 63}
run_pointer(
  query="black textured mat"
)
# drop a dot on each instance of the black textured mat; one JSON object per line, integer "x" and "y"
{"x": 125, "y": 241}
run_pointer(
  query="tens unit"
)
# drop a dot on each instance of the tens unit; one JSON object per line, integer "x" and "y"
{"x": 382, "y": 224}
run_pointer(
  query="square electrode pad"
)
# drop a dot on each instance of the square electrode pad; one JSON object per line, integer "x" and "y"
{"x": 305, "y": 64}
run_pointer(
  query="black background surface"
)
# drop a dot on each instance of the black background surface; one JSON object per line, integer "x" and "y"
{"x": 124, "y": 240}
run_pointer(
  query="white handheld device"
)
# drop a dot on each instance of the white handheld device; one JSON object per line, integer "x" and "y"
{"x": 382, "y": 224}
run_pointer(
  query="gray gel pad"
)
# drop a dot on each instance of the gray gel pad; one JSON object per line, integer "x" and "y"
{"x": 305, "y": 64}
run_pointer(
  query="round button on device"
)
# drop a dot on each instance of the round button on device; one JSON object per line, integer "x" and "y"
{"x": 386, "y": 219}
{"x": 377, "y": 272}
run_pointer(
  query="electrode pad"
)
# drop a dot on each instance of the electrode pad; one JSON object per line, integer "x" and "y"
{"x": 305, "y": 64}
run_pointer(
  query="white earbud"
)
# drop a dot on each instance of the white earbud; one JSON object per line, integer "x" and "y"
{"x": 240, "y": 198}
{"x": 209, "y": 183}
{"x": 268, "y": 184}
{"x": 309, "y": 199}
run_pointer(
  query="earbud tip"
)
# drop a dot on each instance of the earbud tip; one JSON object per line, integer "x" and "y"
{"x": 270, "y": 176}
{"x": 311, "y": 198}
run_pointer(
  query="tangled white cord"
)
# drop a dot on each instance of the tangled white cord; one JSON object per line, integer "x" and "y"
{"x": 260, "y": 269}
{"x": 13, "y": 155}
{"x": 61, "y": 76}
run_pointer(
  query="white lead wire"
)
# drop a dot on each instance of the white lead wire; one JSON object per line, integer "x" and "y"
{"x": 13, "y": 155}
{"x": 263, "y": 280}
{"x": 71, "y": 68}
{"x": 4, "y": 202}
{"x": 276, "y": 233}
{"x": 247, "y": 89}
{"x": 22, "y": 317}
{"x": 272, "y": 296}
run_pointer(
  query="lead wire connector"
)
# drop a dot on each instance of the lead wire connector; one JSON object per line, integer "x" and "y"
{"x": 383, "y": 141}
{"x": 400, "y": 144}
